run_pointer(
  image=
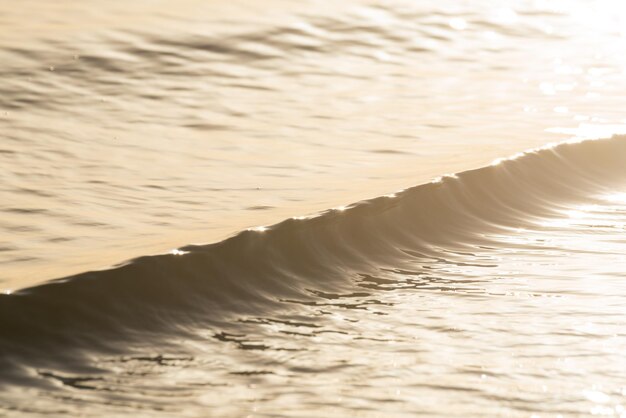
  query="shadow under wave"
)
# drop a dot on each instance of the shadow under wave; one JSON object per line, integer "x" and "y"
{"x": 152, "y": 298}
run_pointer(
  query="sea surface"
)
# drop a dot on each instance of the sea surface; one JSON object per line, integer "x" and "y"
{"x": 300, "y": 209}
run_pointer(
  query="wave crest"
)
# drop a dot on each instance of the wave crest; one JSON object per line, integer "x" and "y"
{"x": 256, "y": 270}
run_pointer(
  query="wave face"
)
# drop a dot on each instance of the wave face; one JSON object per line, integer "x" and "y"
{"x": 416, "y": 271}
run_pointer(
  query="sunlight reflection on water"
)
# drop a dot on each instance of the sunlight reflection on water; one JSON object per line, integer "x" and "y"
{"x": 131, "y": 129}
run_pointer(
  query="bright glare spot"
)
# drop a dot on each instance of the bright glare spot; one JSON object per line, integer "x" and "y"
{"x": 597, "y": 83}
{"x": 341, "y": 208}
{"x": 567, "y": 70}
{"x": 596, "y": 396}
{"x": 555, "y": 223}
{"x": 504, "y": 16}
{"x": 598, "y": 71}
{"x": 551, "y": 89}
{"x": 564, "y": 86}
{"x": 615, "y": 198}
{"x": 380, "y": 17}
{"x": 7, "y": 291}
{"x": 561, "y": 109}
{"x": 176, "y": 251}
{"x": 499, "y": 161}
{"x": 458, "y": 23}
{"x": 575, "y": 214}
{"x": 490, "y": 35}
{"x": 258, "y": 229}
{"x": 547, "y": 88}
{"x": 308, "y": 28}
{"x": 303, "y": 217}
{"x": 370, "y": 99}
{"x": 590, "y": 131}
{"x": 382, "y": 56}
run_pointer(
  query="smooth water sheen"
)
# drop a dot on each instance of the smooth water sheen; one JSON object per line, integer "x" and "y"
{"x": 132, "y": 128}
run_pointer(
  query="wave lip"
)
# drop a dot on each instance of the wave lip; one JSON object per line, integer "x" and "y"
{"x": 257, "y": 270}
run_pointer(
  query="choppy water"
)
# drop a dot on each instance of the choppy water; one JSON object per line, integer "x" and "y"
{"x": 131, "y": 129}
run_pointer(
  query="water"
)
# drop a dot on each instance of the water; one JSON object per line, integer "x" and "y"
{"x": 133, "y": 130}
{"x": 129, "y": 130}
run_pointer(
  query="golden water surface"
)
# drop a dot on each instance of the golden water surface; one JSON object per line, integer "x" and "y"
{"x": 135, "y": 129}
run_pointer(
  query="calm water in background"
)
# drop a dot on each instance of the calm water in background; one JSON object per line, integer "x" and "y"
{"x": 128, "y": 130}
{"x": 131, "y": 130}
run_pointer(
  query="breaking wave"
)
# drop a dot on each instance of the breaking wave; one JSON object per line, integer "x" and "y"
{"x": 306, "y": 259}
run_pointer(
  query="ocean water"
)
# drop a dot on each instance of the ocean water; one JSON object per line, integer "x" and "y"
{"x": 249, "y": 209}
